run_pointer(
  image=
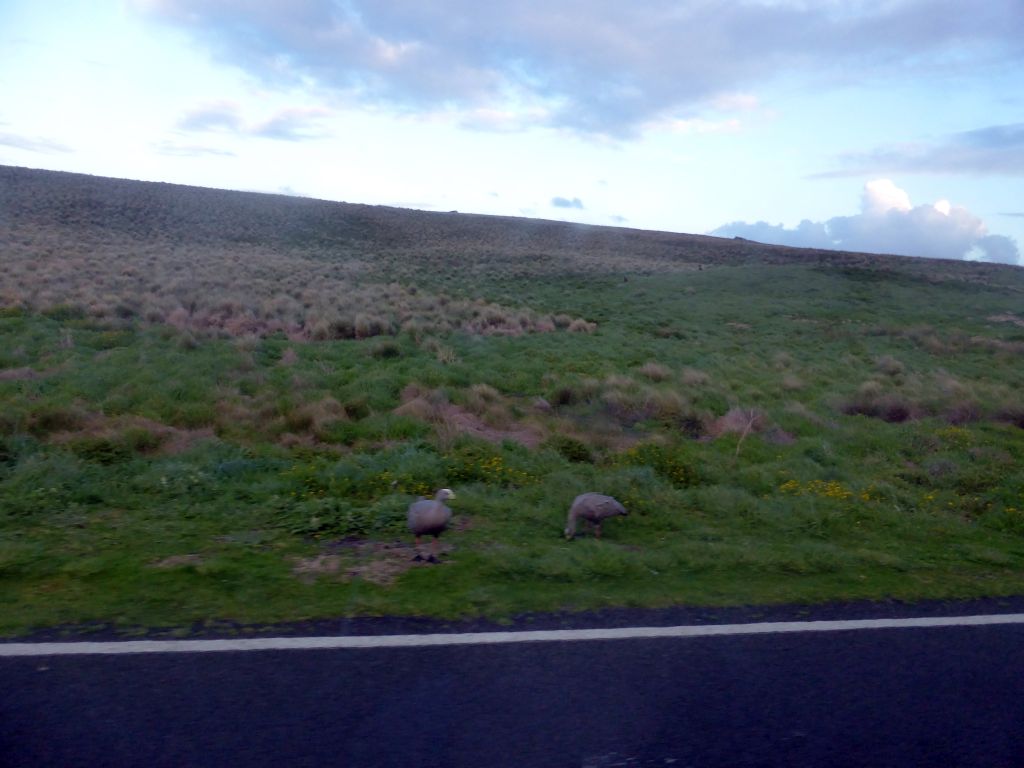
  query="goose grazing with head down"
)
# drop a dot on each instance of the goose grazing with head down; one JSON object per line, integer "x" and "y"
{"x": 430, "y": 517}
{"x": 592, "y": 507}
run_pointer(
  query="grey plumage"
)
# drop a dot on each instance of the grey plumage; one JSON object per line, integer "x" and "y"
{"x": 430, "y": 517}
{"x": 592, "y": 507}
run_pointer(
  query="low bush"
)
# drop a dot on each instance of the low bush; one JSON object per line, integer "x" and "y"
{"x": 570, "y": 448}
{"x": 672, "y": 463}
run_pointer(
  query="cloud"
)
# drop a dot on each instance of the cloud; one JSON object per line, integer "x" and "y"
{"x": 501, "y": 120}
{"x": 210, "y": 117}
{"x": 997, "y": 248}
{"x": 296, "y": 124}
{"x": 189, "y": 150}
{"x": 888, "y": 223}
{"x": 1017, "y": 215}
{"x": 594, "y": 66}
{"x": 564, "y": 202}
{"x": 997, "y": 150}
{"x": 701, "y": 126}
{"x": 45, "y": 146}
{"x": 292, "y": 124}
{"x": 882, "y": 195}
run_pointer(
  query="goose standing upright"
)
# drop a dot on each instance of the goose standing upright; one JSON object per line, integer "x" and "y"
{"x": 430, "y": 517}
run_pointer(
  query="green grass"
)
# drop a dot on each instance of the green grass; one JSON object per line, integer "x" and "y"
{"x": 153, "y": 478}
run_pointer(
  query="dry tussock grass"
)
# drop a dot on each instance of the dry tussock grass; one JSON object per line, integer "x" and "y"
{"x": 141, "y": 434}
{"x": 1007, "y": 317}
{"x": 245, "y": 264}
{"x": 486, "y": 414}
{"x": 739, "y": 421}
{"x": 655, "y": 371}
{"x": 234, "y": 289}
{"x": 241, "y": 291}
{"x": 792, "y": 383}
{"x": 693, "y": 377}
{"x": 954, "y": 341}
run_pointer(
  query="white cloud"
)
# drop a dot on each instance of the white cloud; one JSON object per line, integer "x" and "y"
{"x": 701, "y": 126}
{"x": 221, "y": 115}
{"x": 996, "y": 150}
{"x": 595, "y": 66}
{"x": 736, "y": 102}
{"x": 174, "y": 148}
{"x": 33, "y": 143}
{"x": 565, "y": 202}
{"x": 291, "y": 124}
{"x": 881, "y": 196}
{"x": 888, "y": 223}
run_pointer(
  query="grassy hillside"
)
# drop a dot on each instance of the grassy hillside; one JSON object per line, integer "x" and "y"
{"x": 217, "y": 405}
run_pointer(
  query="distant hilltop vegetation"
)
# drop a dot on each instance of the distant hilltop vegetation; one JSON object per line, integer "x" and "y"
{"x": 214, "y": 262}
{"x": 36, "y": 203}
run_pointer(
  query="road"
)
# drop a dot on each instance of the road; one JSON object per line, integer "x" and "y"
{"x": 950, "y": 696}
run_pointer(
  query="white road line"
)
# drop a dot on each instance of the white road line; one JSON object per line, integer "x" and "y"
{"x": 483, "y": 638}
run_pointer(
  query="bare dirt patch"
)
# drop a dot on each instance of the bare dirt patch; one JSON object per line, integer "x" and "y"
{"x": 309, "y": 569}
{"x": 451, "y": 420}
{"x": 1007, "y": 317}
{"x": 378, "y": 562}
{"x": 458, "y": 419}
{"x": 18, "y": 374}
{"x": 178, "y": 561}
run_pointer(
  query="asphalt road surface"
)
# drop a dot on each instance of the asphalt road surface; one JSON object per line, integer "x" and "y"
{"x": 946, "y": 697}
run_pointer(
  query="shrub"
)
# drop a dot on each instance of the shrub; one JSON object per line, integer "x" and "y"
{"x": 668, "y": 462}
{"x": 64, "y": 312}
{"x": 49, "y": 419}
{"x": 192, "y": 415}
{"x": 570, "y": 448}
{"x": 102, "y": 450}
{"x": 323, "y": 517}
{"x": 483, "y": 463}
{"x": 357, "y": 407}
{"x": 1012, "y": 414}
{"x": 891, "y": 407}
{"x": 385, "y": 350}
{"x": 141, "y": 440}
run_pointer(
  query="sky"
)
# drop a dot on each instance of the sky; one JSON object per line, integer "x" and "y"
{"x": 888, "y": 126}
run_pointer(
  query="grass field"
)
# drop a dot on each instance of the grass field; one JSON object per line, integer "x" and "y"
{"x": 217, "y": 407}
